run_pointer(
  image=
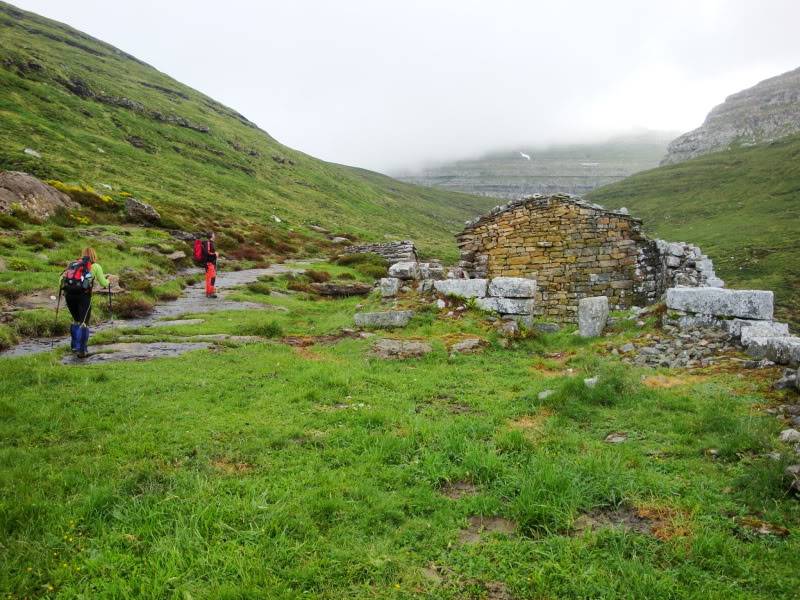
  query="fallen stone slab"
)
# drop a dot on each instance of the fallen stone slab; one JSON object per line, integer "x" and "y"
{"x": 463, "y": 288}
{"x": 399, "y": 349}
{"x": 512, "y": 287}
{"x": 747, "y": 304}
{"x": 762, "y": 329}
{"x": 783, "y": 350}
{"x": 467, "y": 346}
{"x": 507, "y": 306}
{"x": 431, "y": 270}
{"x": 388, "y": 319}
{"x": 389, "y": 286}
{"x": 592, "y": 316}
{"x": 404, "y": 270}
{"x": 134, "y": 351}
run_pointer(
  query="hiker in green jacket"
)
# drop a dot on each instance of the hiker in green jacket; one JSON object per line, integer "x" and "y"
{"x": 77, "y": 283}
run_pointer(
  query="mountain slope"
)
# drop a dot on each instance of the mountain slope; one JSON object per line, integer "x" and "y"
{"x": 98, "y": 115}
{"x": 573, "y": 169}
{"x": 741, "y": 206}
{"x": 767, "y": 111}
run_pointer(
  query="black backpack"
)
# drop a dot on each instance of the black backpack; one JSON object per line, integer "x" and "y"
{"x": 78, "y": 276}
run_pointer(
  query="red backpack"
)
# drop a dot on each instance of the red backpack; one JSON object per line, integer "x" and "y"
{"x": 199, "y": 253}
{"x": 78, "y": 276}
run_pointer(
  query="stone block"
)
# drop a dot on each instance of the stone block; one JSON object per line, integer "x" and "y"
{"x": 747, "y": 304}
{"x": 431, "y": 270}
{"x": 463, "y": 288}
{"x": 392, "y": 318}
{"x": 763, "y": 329}
{"x": 592, "y": 315}
{"x": 404, "y": 270}
{"x": 512, "y": 287}
{"x": 783, "y": 350}
{"x": 507, "y": 306}
{"x": 389, "y": 286}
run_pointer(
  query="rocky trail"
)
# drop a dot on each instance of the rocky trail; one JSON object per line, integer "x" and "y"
{"x": 191, "y": 301}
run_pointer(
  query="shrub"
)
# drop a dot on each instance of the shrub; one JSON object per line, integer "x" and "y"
{"x": 318, "y": 276}
{"x": 131, "y": 279}
{"x": 38, "y": 240}
{"x": 86, "y": 196}
{"x": 7, "y": 337}
{"x": 299, "y": 286}
{"x": 347, "y": 276}
{"x": 57, "y": 234}
{"x": 132, "y": 306}
{"x": 19, "y": 264}
{"x": 270, "y": 329}
{"x": 374, "y": 271}
{"x": 246, "y": 252}
{"x": 18, "y": 212}
{"x": 8, "y": 221}
{"x": 39, "y": 323}
{"x": 9, "y": 292}
{"x": 259, "y": 287}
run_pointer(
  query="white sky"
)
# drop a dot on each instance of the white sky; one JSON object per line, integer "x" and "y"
{"x": 392, "y": 84}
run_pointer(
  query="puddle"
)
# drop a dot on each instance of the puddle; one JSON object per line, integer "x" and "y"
{"x": 478, "y": 527}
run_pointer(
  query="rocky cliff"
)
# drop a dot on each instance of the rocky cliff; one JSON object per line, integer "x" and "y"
{"x": 767, "y": 111}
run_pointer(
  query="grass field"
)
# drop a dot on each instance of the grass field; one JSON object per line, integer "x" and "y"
{"x": 270, "y": 471}
{"x": 99, "y": 116}
{"x": 740, "y": 206}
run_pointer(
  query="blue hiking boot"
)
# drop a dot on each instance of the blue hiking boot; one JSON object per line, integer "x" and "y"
{"x": 83, "y": 347}
{"x": 75, "y": 335}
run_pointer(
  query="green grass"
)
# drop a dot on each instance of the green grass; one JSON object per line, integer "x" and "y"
{"x": 740, "y": 206}
{"x": 228, "y": 175}
{"x": 269, "y": 471}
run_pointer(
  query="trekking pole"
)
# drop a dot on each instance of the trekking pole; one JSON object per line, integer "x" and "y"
{"x": 110, "y": 312}
{"x": 58, "y": 304}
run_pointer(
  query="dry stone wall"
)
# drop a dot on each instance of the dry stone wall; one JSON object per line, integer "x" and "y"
{"x": 393, "y": 252}
{"x": 575, "y": 249}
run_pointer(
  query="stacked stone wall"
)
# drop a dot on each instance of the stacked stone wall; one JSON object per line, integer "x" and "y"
{"x": 392, "y": 251}
{"x": 575, "y": 249}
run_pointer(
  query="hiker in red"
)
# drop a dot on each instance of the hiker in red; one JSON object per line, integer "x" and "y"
{"x": 210, "y": 256}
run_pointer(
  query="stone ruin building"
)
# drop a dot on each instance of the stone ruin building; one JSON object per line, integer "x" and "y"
{"x": 575, "y": 249}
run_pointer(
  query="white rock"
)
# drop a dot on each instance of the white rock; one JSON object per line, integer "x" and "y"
{"x": 463, "y": 288}
{"x": 783, "y": 350}
{"x": 394, "y": 318}
{"x": 512, "y": 287}
{"x": 404, "y": 270}
{"x": 544, "y": 394}
{"x": 763, "y": 329}
{"x": 747, "y": 304}
{"x": 790, "y": 436}
{"x": 592, "y": 315}
{"x": 441, "y": 304}
{"x": 431, "y": 270}
{"x": 32, "y": 152}
{"x": 590, "y": 382}
{"x": 389, "y": 286}
{"x": 276, "y": 218}
{"x": 507, "y": 306}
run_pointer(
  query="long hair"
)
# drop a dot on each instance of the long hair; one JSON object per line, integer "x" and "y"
{"x": 90, "y": 253}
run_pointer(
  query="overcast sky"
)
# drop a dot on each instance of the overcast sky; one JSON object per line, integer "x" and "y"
{"x": 393, "y": 84}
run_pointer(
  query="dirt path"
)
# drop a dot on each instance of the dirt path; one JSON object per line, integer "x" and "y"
{"x": 192, "y": 300}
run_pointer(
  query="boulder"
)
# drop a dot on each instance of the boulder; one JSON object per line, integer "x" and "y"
{"x": 388, "y": 319}
{"x": 341, "y": 290}
{"x": 141, "y": 212}
{"x": 506, "y": 306}
{"x": 339, "y": 240}
{"x": 404, "y": 270}
{"x": 592, "y": 315}
{"x": 463, "y": 288}
{"x": 790, "y": 436}
{"x": 783, "y": 350}
{"x": 512, "y": 287}
{"x": 177, "y": 255}
{"x": 37, "y": 198}
{"x": 763, "y": 329}
{"x": 746, "y": 304}
{"x": 389, "y": 286}
{"x": 467, "y": 346}
{"x": 399, "y": 349}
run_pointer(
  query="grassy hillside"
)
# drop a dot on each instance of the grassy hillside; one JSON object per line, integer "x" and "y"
{"x": 100, "y": 116}
{"x": 741, "y": 206}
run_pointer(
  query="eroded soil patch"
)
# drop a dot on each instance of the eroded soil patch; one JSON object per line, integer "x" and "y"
{"x": 459, "y": 489}
{"x": 478, "y": 527}
{"x": 661, "y": 522}
{"x": 230, "y": 467}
